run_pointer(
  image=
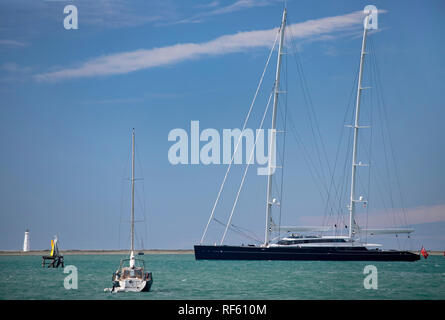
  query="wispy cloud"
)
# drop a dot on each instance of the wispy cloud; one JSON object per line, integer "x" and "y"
{"x": 212, "y": 4}
{"x": 12, "y": 43}
{"x": 240, "y": 5}
{"x": 126, "y": 62}
{"x": 14, "y": 68}
{"x": 133, "y": 100}
{"x": 236, "y": 6}
{"x": 121, "y": 13}
{"x": 411, "y": 216}
{"x": 32, "y": 19}
{"x": 11, "y": 72}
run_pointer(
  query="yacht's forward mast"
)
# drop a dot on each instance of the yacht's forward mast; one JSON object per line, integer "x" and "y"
{"x": 272, "y": 145}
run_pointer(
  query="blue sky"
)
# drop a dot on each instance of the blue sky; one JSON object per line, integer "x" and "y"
{"x": 69, "y": 99}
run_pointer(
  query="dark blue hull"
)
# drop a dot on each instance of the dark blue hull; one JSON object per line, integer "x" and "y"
{"x": 203, "y": 252}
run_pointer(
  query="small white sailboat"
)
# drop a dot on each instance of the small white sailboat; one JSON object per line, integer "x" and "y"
{"x": 131, "y": 275}
{"x": 132, "y": 278}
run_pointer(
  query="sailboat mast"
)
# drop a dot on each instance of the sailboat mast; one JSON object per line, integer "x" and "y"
{"x": 352, "y": 200}
{"x": 273, "y": 133}
{"x": 132, "y": 192}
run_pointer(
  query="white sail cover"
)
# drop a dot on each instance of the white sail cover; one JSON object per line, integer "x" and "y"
{"x": 330, "y": 228}
{"x": 301, "y": 228}
{"x": 387, "y": 231}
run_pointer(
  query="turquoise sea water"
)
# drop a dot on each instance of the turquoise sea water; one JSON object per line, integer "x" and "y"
{"x": 181, "y": 277}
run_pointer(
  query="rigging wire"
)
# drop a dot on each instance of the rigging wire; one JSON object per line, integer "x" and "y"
{"x": 316, "y": 133}
{"x": 140, "y": 199}
{"x": 402, "y": 216}
{"x": 240, "y": 137}
{"x": 381, "y": 186}
{"x": 247, "y": 168}
{"x": 370, "y": 145}
{"x": 142, "y": 203}
{"x": 238, "y": 230}
{"x": 284, "y": 145}
{"x": 349, "y": 107}
{"x": 125, "y": 169}
{"x": 384, "y": 108}
{"x": 385, "y": 152}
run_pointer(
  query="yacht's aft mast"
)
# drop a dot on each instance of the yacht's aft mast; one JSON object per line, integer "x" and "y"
{"x": 352, "y": 200}
{"x": 273, "y": 132}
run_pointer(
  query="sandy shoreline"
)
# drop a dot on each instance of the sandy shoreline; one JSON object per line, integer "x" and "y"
{"x": 90, "y": 252}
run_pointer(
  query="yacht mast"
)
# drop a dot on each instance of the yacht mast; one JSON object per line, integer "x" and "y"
{"x": 352, "y": 200}
{"x": 132, "y": 193}
{"x": 273, "y": 132}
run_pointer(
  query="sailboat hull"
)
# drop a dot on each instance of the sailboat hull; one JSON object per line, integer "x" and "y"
{"x": 203, "y": 252}
{"x": 132, "y": 285}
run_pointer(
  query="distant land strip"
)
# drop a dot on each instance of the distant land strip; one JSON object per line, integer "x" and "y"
{"x": 125, "y": 252}
{"x": 90, "y": 252}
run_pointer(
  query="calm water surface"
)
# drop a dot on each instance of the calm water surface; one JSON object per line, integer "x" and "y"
{"x": 181, "y": 277}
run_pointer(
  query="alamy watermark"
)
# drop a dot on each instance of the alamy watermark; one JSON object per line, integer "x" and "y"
{"x": 372, "y": 12}
{"x": 71, "y": 20}
{"x": 371, "y": 280}
{"x": 71, "y": 280}
{"x": 188, "y": 150}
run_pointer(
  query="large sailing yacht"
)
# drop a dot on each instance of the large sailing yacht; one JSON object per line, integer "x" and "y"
{"x": 296, "y": 246}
